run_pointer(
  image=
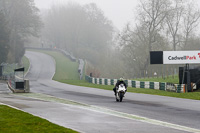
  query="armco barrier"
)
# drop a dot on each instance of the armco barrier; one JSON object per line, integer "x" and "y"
{"x": 139, "y": 84}
{"x": 151, "y": 85}
{"x": 134, "y": 84}
{"x": 106, "y": 81}
{"x": 163, "y": 86}
{"x": 67, "y": 54}
{"x": 142, "y": 85}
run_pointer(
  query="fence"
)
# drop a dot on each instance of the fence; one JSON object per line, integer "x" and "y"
{"x": 140, "y": 84}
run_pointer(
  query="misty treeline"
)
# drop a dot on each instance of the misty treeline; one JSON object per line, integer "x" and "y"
{"x": 19, "y": 19}
{"x": 85, "y": 32}
{"x": 160, "y": 25}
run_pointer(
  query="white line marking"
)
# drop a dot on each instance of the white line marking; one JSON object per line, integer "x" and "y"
{"x": 110, "y": 112}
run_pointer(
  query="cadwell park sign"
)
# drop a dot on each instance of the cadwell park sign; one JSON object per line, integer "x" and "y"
{"x": 174, "y": 57}
{"x": 186, "y": 75}
{"x": 181, "y": 57}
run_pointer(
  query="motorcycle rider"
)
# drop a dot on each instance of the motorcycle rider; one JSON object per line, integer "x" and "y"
{"x": 120, "y": 81}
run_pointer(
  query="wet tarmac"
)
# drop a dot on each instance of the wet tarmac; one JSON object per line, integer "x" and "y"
{"x": 92, "y": 110}
{"x": 80, "y": 119}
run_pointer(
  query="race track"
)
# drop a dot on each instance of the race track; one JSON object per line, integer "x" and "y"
{"x": 94, "y": 110}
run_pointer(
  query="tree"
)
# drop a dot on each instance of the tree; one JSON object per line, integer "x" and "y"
{"x": 147, "y": 35}
{"x": 191, "y": 18}
{"x": 100, "y": 29}
{"x": 194, "y": 42}
{"x": 151, "y": 16}
{"x": 4, "y": 38}
{"x": 173, "y": 20}
{"x": 99, "y": 34}
{"x": 64, "y": 26}
{"x": 84, "y": 31}
{"x": 135, "y": 51}
{"x": 23, "y": 21}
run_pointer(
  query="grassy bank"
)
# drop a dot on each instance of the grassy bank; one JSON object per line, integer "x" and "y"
{"x": 75, "y": 81}
{"x": 65, "y": 69}
{"x": 15, "y": 121}
{"x": 26, "y": 63}
{"x": 169, "y": 79}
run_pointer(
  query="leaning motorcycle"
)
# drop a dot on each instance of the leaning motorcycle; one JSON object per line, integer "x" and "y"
{"x": 120, "y": 91}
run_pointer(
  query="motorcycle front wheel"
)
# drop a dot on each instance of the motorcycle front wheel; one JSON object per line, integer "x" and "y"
{"x": 121, "y": 95}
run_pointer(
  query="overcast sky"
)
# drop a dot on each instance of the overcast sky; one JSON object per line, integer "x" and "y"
{"x": 118, "y": 11}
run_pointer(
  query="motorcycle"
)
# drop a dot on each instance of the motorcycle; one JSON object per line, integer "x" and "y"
{"x": 120, "y": 91}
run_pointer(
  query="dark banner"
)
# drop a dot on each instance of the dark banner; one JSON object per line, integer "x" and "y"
{"x": 19, "y": 85}
{"x": 156, "y": 57}
{"x": 19, "y": 70}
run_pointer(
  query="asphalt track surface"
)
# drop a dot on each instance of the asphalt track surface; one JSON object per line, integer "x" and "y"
{"x": 92, "y": 110}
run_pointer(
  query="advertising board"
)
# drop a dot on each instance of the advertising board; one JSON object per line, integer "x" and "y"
{"x": 181, "y": 57}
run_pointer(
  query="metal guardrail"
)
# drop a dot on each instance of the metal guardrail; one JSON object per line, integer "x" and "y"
{"x": 67, "y": 54}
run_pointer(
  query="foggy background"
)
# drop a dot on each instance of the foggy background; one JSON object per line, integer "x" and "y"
{"x": 113, "y": 37}
{"x": 119, "y": 11}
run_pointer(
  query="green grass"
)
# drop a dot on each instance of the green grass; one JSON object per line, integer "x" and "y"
{"x": 15, "y": 121}
{"x": 169, "y": 79}
{"x": 26, "y": 63}
{"x": 65, "y": 69}
{"x": 86, "y": 84}
{"x": 193, "y": 95}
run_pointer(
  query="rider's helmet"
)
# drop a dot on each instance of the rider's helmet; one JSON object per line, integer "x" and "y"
{"x": 121, "y": 79}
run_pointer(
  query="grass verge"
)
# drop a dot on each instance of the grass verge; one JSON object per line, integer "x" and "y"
{"x": 15, "y": 121}
{"x": 193, "y": 95}
{"x": 169, "y": 79}
{"x": 26, "y": 63}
